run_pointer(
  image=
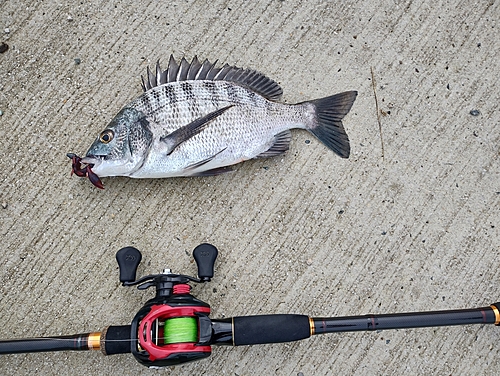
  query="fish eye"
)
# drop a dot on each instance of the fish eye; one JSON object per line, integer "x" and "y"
{"x": 106, "y": 136}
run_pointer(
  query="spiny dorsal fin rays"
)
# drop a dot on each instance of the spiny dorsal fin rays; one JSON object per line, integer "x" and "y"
{"x": 183, "y": 70}
{"x": 223, "y": 72}
{"x": 177, "y": 137}
{"x": 172, "y": 70}
{"x": 152, "y": 78}
{"x": 205, "y": 68}
{"x": 158, "y": 71}
{"x": 212, "y": 73}
{"x": 195, "y": 70}
{"x": 146, "y": 83}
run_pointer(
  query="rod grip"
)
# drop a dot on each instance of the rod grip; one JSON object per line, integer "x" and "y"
{"x": 253, "y": 330}
{"x": 116, "y": 340}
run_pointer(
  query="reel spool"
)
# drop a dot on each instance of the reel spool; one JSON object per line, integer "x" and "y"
{"x": 179, "y": 330}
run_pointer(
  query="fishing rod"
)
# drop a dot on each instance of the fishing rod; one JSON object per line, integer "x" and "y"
{"x": 174, "y": 327}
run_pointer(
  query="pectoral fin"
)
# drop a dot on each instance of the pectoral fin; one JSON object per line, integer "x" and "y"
{"x": 184, "y": 133}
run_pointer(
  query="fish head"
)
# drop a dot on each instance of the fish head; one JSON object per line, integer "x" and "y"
{"x": 120, "y": 149}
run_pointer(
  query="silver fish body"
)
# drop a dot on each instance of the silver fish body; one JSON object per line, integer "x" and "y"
{"x": 194, "y": 119}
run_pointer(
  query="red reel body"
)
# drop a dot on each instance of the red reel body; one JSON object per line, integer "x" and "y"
{"x": 152, "y": 349}
{"x": 161, "y": 313}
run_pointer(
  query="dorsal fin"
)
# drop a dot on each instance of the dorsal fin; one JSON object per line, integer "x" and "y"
{"x": 195, "y": 70}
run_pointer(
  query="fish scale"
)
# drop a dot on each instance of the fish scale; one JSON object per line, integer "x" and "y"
{"x": 174, "y": 106}
{"x": 197, "y": 119}
{"x": 255, "y": 122}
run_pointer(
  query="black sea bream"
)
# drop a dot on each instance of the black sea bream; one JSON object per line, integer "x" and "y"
{"x": 195, "y": 119}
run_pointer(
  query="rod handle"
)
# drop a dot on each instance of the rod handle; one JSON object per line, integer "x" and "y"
{"x": 116, "y": 340}
{"x": 253, "y": 330}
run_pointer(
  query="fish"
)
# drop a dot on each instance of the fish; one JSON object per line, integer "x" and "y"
{"x": 199, "y": 119}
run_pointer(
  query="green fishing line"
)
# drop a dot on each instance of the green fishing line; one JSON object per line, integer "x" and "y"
{"x": 180, "y": 330}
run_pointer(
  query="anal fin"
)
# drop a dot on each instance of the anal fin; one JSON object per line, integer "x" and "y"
{"x": 281, "y": 145}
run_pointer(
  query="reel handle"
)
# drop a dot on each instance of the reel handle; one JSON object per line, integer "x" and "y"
{"x": 205, "y": 255}
{"x": 128, "y": 259}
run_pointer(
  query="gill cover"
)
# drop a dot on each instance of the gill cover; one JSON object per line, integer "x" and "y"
{"x": 120, "y": 149}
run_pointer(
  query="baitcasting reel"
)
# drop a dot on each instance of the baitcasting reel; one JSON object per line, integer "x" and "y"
{"x": 174, "y": 326}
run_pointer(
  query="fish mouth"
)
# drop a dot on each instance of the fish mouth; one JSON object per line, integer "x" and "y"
{"x": 85, "y": 169}
{"x": 92, "y": 159}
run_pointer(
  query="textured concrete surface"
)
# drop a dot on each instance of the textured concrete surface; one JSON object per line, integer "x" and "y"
{"x": 410, "y": 226}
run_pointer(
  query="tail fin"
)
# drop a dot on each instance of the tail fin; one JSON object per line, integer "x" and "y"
{"x": 328, "y": 127}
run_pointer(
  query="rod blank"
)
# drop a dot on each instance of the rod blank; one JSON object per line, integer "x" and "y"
{"x": 31, "y": 345}
{"x": 485, "y": 315}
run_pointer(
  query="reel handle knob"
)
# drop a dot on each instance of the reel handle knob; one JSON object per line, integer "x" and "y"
{"x": 128, "y": 260}
{"x": 205, "y": 255}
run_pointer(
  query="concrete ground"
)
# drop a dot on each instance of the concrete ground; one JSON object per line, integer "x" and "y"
{"x": 408, "y": 223}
